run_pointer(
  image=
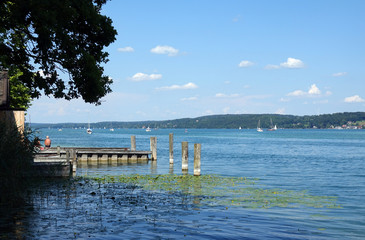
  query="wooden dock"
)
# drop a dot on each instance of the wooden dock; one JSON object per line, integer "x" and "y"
{"x": 64, "y": 161}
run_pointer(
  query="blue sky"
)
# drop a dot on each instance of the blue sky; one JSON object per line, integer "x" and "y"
{"x": 176, "y": 59}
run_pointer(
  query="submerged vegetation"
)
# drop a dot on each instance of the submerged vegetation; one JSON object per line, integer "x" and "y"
{"x": 219, "y": 190}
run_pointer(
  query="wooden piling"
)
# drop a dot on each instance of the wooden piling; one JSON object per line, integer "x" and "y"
{"x": 133, "y": 143}
{"x": 74, "y": 160}
{"x": 197, "y": 152}
{"x": 171, "y": 147}
{"x": 185, "y": 155}
{"x": 58, "y": 150}
{"x": 153, "y": 144}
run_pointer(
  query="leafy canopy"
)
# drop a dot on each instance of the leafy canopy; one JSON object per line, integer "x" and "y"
{"x": 43, "y": 38}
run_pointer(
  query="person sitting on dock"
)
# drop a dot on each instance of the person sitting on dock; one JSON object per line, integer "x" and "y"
{"x": 37, "y": 144}
{"x": 47, "y": 143}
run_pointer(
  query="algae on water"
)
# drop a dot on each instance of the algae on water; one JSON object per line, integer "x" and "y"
{"x": 220, "y": 190}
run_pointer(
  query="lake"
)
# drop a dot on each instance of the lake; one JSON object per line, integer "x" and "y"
{"x": 320, "y": 173}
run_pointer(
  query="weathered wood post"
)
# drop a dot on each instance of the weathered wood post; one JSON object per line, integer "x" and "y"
{"x": 74, "y": 160}
{"x": 197, "y": 152}
{"x": 69, "y": 163}
{"x": 171, "y": 147}
{"x": 68, "y": 155}
{"x": 58, "y": 150}
{"x": 133, "y": 143}
{"x": 171, "y": 169}
{"x": 153, "y": 144}
{"x": 185, "y": 155}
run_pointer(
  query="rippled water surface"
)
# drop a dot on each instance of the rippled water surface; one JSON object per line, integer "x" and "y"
{"x": 327, "y": 163}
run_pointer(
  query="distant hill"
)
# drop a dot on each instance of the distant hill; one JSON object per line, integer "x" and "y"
{"x": 233, "y": 121}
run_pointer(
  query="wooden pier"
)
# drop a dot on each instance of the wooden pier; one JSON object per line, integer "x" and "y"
{"x": 63, "y": 161}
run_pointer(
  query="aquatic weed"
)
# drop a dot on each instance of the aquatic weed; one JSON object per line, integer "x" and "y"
{"x": 221, "y": 190}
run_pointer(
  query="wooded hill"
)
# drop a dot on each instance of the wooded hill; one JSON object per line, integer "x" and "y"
{"x": 233, "y": 121}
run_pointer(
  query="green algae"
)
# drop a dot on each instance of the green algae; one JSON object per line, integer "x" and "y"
{"x": 221, "y": 190}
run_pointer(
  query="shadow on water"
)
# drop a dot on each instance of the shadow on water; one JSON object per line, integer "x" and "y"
{"x": 150, "y": 206}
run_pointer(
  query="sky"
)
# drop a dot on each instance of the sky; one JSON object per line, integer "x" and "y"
{"x": 188, "y": 58}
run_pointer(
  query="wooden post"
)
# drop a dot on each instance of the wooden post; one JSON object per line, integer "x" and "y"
{"x": 133, "y": 143}
{"x": 197, "y": 152}
{"x": 153, "y": 144}
{"x": 58, "y": 150}
{"x": 185, "y": 155}
{"x": 171, "y": 147}
{"x": 68, "y": 155}
{"x": 74, "y": 160}
{"x": 171, "y": 169}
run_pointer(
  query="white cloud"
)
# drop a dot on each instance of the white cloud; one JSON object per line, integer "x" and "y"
{"x": 138, "y": 77}
{"x": 354, "y": 99}
{"x": 292, "y": 63}
{"x": 179, "y": 87}
{"x": 126, "y": 49}
{"x": 189, "y": 99}
{"x": 170, "y": 51}
{"x": 314, "y": 90}
{"x": 339, "y": 74}
{"x": 222, "y": 95}
{"x": 280, "y": 111}
{"x": 244, "y": 64}
{"x": 297, "y": 93}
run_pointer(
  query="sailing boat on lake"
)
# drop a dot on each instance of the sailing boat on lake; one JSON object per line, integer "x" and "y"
{"x": 89, "y": 131}
{"x": 271, "y": 127}
{"x": 259, "y": 129}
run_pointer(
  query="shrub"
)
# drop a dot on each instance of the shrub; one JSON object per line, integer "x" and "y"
{"x": 16, "y": 156}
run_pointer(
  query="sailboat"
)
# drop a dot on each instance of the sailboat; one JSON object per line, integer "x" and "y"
{"x": 271, "y": 127}
{"x": 259, "y": 129}
{"x": 89, "y": 131}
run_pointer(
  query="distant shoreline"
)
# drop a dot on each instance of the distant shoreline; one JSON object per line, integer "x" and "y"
{"x": 347, "y": 120}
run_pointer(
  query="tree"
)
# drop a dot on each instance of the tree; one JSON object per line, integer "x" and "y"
{"x": 45, "y": 38}
{"x": 20, "y": 95}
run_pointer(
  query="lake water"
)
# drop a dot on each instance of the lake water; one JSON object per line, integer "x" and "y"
{"x": 319, "y": 162}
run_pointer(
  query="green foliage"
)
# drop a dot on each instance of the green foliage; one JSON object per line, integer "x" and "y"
{"x": 52, "y": 36}
{"x": 227, "y": 191}
{"x": 20, "y": 95}
{"x": 16, "y": 156}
